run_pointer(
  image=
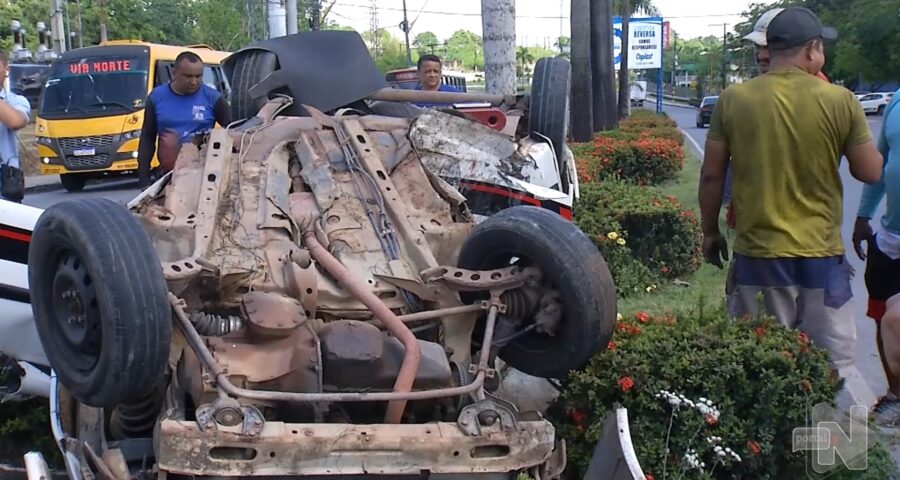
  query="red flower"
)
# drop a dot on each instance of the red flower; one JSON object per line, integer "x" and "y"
{"x": 711, "y": 420}
{"x": 753, "y": 447}
{"x": 611, "y": 345}
{"x": 642, "y": 317}
{"x": 760, "y": 331}
{"x": 625, "y": 383}
{"x": 802, "y": 338}
{"x": 664, "y": 270}
{"x": 649, "y": 477}
{"x": 577, "y": 416}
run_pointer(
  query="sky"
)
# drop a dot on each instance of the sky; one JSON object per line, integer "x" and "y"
{"x": 538, "y": 22}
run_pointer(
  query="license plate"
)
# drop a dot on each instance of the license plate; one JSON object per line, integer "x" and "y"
{"x": 84, "y": 152}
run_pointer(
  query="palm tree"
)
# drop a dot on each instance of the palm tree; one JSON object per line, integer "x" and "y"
{"x": 524, "y": 59}
{"x": 626, "y": 9}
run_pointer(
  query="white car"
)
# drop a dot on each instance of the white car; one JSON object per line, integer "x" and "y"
{"x": 875, "y": 102}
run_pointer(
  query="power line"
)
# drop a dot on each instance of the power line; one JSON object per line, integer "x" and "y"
{"x": 537, "y": 17}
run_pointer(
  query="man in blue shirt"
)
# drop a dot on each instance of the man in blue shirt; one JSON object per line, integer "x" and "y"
{"x": 178, "y": 112}
{"x": 883, "y": 261}
{"x": 431, "y": 78}
{"x": 14, "y": 113}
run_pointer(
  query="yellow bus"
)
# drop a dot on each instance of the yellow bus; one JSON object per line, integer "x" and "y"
{"x": 89, "y": 120}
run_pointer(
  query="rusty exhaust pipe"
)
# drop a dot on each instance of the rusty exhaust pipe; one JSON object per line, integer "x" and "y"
{"x": 361, "y": 291}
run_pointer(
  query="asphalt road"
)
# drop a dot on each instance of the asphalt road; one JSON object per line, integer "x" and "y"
{"x": 119, "y": 190}
{"x": 868, "y": 363}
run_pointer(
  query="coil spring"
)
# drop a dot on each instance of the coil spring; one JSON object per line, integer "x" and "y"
{"x": 212, "y": 325}
{"x": 136, "y": 420}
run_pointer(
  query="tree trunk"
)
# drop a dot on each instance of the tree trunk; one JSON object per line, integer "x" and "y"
{"x": 624, "y": 94}
{"x": 581, "y": 93}
{"x": 602, "y": 67}
{"x": 498, "y": 19}
{"x": 275, "y": 13}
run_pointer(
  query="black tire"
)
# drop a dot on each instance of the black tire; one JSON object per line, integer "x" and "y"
{"x": 73, "y": 182}
{"x": 881, "y": 109}
{"x": 99, "y": 300}
{"x": 250, "y": 67}
{"x": 549, "y": 107}
{"x": 576, "y": 269}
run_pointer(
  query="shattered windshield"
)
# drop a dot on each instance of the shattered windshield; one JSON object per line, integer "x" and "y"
{"x": 96, "y": 86}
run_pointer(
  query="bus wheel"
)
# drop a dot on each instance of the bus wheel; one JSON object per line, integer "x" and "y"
{"x": 73, "y": 182}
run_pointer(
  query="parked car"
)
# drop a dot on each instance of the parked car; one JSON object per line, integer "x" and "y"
{"x": 875, "y": 102}
{"x": 704, "y": 114}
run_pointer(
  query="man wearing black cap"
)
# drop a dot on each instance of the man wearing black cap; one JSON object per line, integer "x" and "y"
{"x": 785, "y": 132}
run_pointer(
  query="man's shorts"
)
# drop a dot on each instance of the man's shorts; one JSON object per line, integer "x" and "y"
{"x": 812, "y": 295}
{"x": 882, "y": 280}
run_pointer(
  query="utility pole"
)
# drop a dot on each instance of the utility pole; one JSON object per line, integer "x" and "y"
{"x": 80, "y": 31}
{"x": 603, "y": 76}
{"x": 624, "y": 80}
{"x": 405, "y": 27}
{"x": 103, "y": 34}
{"x": 498, "y": 22}
{"x": 373, "y": 26}
{"x": 291, "y": 9}
{"x": 581, "y": 89}
{"x": 57, "y": 27}
{"x": 724, "y": 56}
{"x": 724, "y": 53}
{"x": 276, "y": 18}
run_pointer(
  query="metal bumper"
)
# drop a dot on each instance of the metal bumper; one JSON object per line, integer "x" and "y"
{"x": 341, "y": 449}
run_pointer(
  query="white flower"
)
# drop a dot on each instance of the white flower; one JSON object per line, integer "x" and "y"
{"x": 720, "y": 453}
{"x": 708, "y": 402}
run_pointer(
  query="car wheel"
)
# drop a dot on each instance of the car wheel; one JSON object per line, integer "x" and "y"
{"x": 99, "y": 300}
{"x": 73, "y": 182}
{"x": 881, "y": 109}
{"x": 573, "y": 267}
{"x": 250, "y": 68}
{"x": 549, "y": 107}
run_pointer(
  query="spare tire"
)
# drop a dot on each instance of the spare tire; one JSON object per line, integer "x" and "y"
{"x": 549, "y": 106}
{"x": 250, "y": 68}
{"x": 99, "y": 300}
{"x": 574, "y": 268}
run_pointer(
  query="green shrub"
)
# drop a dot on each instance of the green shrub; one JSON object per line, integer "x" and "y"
{"x": 755, "y": 378}
{"x": 630, "y": 157}
{"x": 643, "y": 234}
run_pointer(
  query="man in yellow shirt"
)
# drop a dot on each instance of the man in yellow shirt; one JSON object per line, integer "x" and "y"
{"x": 785, "y": 132}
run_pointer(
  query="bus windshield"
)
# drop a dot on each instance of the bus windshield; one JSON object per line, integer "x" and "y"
{"x": 95, "y": 86}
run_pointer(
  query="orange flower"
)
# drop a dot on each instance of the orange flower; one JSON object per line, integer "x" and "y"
{"x": 625, "y": 383}
{"x": 753, "y": 447}
{"x": 806, "y": 385}
{"x": 611, "y": 345}
{"x": 642, "y": 317}
{"x": 802, "y": 338}
{"x": 760, "y": 331}
{"x": 664, "y": 270}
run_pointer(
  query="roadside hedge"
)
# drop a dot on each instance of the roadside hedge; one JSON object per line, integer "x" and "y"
{"x": 707, "y": 397}
{"x": 645, "y": 235}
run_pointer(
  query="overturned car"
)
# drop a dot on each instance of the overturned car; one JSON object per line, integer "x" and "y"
{"x": 310, "y": 293}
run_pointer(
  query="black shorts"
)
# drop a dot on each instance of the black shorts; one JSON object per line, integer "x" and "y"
{"x": 882, "y": 280}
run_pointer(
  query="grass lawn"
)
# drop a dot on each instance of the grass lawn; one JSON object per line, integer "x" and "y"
{"x": 707, "y": 283}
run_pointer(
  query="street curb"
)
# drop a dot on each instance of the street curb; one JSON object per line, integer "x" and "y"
{"x": 49, "y": 187}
